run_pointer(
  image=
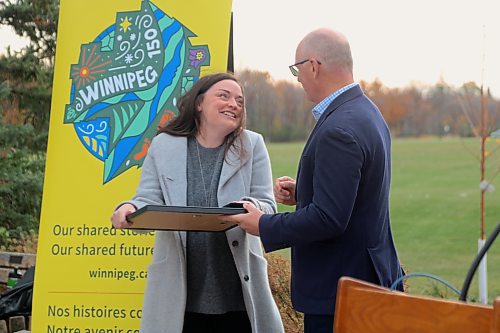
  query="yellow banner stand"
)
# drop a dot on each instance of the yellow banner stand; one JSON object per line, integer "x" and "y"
{"x": 120, "y": 68}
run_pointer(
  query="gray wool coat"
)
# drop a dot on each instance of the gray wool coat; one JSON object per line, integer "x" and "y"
{"x": 163, "y": 181}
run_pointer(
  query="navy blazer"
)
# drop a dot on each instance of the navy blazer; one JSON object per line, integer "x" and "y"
{"x": 341, "y": 223}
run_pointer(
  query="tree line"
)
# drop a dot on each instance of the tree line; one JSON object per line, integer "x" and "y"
{"x": 280, "y": 110}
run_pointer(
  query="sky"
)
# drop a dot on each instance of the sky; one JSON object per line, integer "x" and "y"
{"x": 399, "y": 42}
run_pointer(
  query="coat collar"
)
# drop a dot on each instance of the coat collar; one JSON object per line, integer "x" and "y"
{"x": 232, "y": 162}
{"x": 175, "y": 167}
{"x": 346, "y": 96}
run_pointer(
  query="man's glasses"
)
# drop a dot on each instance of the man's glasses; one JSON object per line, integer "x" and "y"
{"x": 295, "y": 70}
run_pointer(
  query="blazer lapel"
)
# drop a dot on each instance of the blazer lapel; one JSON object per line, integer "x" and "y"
{"x": 337, "y": 102}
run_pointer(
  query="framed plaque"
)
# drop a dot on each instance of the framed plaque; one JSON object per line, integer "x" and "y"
{"x": 184, "y": 218}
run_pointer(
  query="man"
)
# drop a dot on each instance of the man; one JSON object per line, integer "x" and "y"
{"x": 341, "y": 223}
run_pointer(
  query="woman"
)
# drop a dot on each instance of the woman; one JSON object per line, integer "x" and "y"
{"x": 207, "y": 281}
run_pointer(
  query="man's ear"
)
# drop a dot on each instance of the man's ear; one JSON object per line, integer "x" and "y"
{"x": 315, "y": 69}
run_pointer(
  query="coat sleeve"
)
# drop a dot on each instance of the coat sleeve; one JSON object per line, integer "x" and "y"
{"x": 149, "y": 190}
{"x": 330, "y": 175}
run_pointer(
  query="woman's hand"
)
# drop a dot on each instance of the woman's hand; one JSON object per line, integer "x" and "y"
{"x": 119, "y": 217}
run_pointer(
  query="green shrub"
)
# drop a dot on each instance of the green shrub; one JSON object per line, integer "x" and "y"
{"x": 22, "y": 163}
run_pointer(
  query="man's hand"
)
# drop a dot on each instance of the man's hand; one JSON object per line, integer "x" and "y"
{"x": 284, "y": 190}
{"x": 248, "y": 221}
{"x": 119, "y": 217}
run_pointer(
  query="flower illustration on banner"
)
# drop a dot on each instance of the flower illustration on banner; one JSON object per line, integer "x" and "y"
{"x": 197, "y": 57}
{"x": 126, "y": 84}
{"x": 90, "y": 65}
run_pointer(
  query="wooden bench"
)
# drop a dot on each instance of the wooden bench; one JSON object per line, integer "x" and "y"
{"x": 11, "y": 262}
{"x": 495, "y": 327}
{"x": 368, "y": 308}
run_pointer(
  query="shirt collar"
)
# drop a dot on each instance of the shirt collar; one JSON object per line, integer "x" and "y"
{"x": 320, "y": 108}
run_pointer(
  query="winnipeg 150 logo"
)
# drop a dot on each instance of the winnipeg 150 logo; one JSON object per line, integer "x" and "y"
{"x": 126, "y": 84}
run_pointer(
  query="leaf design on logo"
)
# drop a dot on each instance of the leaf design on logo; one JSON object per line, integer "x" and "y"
{"x": 126, "y": 84}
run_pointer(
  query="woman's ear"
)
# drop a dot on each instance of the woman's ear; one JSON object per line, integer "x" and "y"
{"x": 199, "y": 102}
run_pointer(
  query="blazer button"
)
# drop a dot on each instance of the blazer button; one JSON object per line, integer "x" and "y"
{"x": 235, "y": 243}
{"x": 246, "y": 278}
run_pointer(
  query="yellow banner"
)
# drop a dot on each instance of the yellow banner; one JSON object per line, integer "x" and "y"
{"x": 120, "y": 68}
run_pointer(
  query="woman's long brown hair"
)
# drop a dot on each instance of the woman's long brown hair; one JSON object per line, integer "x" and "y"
{"x": 187, "y": 123}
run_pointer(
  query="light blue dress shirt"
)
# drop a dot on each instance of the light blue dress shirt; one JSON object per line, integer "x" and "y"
{"x": 318, "y": 110}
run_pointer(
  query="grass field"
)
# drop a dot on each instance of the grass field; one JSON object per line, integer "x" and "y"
{"x": 434, "y": 208}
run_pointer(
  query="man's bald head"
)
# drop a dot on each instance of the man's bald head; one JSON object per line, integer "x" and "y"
{"x": 330, "y": 47}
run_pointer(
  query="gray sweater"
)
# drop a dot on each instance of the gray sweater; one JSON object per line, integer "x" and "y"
{"x": 213, "y": 284}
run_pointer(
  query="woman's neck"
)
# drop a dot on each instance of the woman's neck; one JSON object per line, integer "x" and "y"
{"x": 209, "y": 141}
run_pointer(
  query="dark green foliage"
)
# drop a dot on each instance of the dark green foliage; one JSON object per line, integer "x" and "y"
{"x": 22, "y": 162}
{"x": 36, "y": 20}
{"x": 25, "y": 95}
{"x": 29, "y": 72}
{"x": 31, "y": 88}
